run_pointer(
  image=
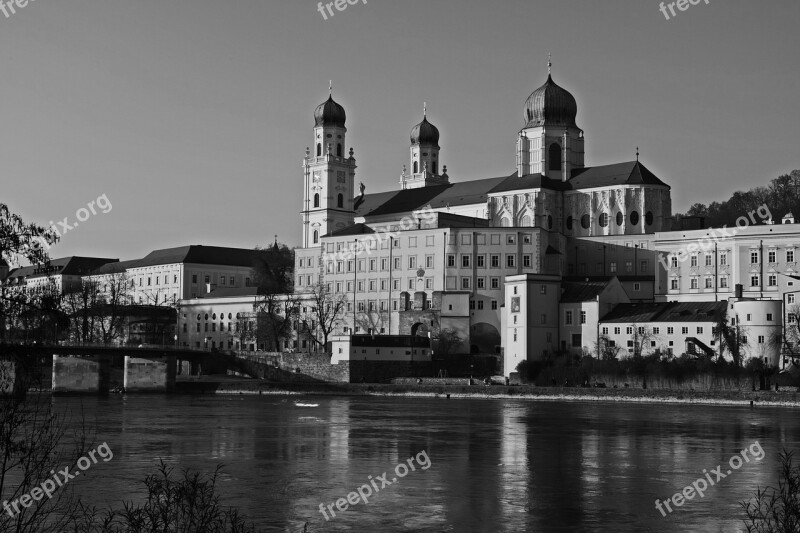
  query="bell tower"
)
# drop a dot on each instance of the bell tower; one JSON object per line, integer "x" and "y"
{"x": 328, "y": 176}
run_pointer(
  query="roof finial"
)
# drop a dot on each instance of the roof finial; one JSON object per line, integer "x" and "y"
{"x": 330, "y": 87}
{"x": 424, "y": 109}
{"x": 637, "y": 153}
{"x": 549, "y": 63}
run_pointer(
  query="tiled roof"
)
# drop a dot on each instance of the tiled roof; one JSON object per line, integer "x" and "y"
{"x": 116, "y": 267}
{"x": 582, "y": 292}
{"x": 666, "y": 312}
{"x": 355, "y": 229}
{"x": 66, "y": 266}
{"x": 199, "y": 254}
{"x": 478, "y": 191}
{"x": 630, "y": 173}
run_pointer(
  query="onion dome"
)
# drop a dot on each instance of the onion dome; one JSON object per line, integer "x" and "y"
{"x": 550, "y": 105}
{"x": 329, "y": 113}
{"x": 425, "y": 133}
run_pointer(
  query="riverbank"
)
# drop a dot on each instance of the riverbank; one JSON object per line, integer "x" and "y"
{"x": 524, "y": 392}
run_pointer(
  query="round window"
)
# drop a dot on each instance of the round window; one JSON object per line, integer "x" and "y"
{"x": 620, "y": 219}
{"x": 648, "y": 218}
{"x": 199, "y": 317}
{"x": 569, "y": 222}
{"x": 585, "y": 221}
{"x": 634, "y": 217}
{"x": 229, "y": 316}
{"x": 206, "y": 316}
{"x": 603, "y": 220}
{"x": 214, "y": 316}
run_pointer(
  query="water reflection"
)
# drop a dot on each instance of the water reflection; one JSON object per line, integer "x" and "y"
{"x": 495, "y": 465}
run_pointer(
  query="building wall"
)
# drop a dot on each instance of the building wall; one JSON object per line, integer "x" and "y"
{"x": 669, "y": 337}
{"x": 532, "y": 328}
{"x": 759, "y": 257}
{"x": 761, "y": 323}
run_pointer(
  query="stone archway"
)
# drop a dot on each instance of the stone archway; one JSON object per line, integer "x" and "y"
{"x": 420, "y": 329}
{"x": 485, "y": 338}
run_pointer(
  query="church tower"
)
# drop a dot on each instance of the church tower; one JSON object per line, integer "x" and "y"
{"x": 328, "y": 176}
{"x": 424, "y": 170}
{"x": 551, "y": 143}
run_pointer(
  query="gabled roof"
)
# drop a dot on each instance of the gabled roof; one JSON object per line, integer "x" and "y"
{"x": 529, "y": 181}
{"x": 199, "y": 254}
{"x": 666, "y": 312}
{"x": 630, "y": 173}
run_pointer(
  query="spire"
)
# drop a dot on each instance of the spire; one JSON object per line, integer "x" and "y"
{"x": 330, "y": 87}
{"x": 637, "y": 153}
{"x": 549, "y": 63}
{"x": 424, "y": 109}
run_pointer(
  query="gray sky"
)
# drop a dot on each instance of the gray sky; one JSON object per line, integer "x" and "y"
{"x": 192, "y": 116}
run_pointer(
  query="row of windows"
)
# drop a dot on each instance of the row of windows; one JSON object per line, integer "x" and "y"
{"x": 755, "y": 258}
{"x": 708, "y": 282}
{"x": 641, "y": 330}
{"x": 339, "y": 202}
{"x": 644, "y": 266}
{"x": 604, "y": 219}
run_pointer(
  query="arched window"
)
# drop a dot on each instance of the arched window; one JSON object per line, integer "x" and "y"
{"x": 319, "y": 149}
{"x": 505, "y": 222}
{"x": 434, "y": 168}
{"x": 340, "y": 200}
{"x": 555, "y": 156}
{"x": 648, "y": 218}
{"x": 316, "y": 236}
{"x": 339, "y": 149}
{"x": 526, "y": 221}
{"x": 416, "y": 167}
{"x": 316, "y": 200}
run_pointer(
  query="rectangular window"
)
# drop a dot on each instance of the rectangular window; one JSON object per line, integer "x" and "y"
{"x": 583, "y": 317}
{"x": 629, "y": 330}
{"x": 612, "y": 266}
{"x": 480, "y": 305}
{"x": 709, "y": 283}
{"x": 693, "y": 283}
{"x": 761, "y": 339}
{"x": 428, "y": 261}
{"x": 429, "y": 283}
{"x": 372, "y": 285}
{"x": 769, "y": 317}
{"x": 526, "y": 261}
{"x": 656, "y": 331}
{"x": 790, "y": 256}
{"x": 753, "y": 257}
{"x": 670, "y": 330}
{"x": 194, "y": 279}
{"x": 543, "y": 289}
{"x": 411, "y": 284}
{"x": 790, "y": 298}
{"x": 465, "y": 261}
{"x": 723, "y": 258}
{"x": 373, "y": 265}
{"x": 723, "y": 282}
{"x": 384, "y": 264}
{"x": 511, "y": 261}
{"x": 708, "y": 260}
{"x": 494, "y": 304}
{"x": 673, "y": 284}
{"x": 617, "y": 331}
{"x": 412, "y": 262}
{"x": 771, "y": 256}
{"x": 605, "y": 331}
{"x": 699, "y": 330}
{"x": 511, "y": 239}
{"x": 754, "y": 280}
{"x": 772, "y": 280}
{"x": 637, "y": 287}
{"x": 643, "y": 264}
{"x": 480, "y": 261}
{"x": 693, "y": 260}
{"x": 495, "y": 283}
{"x": 685, "y": 330}
{"x": 495, "y": 261}
{"x": 397, "y": 263}
{"x": 673, "y": 261}
{"x": 465, "y": 282}
{"x": 628, "y": 266}
{"x": 412, "y": 242}
{"x": 481, "y": 283}
{"x": 568, "y": 318}
{"x": 451, "y": 260}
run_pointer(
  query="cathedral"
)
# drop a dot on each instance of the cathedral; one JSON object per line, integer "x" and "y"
{"x": 456, "y": 241}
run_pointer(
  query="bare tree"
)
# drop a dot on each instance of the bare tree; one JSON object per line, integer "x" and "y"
{"x": 372, "y": 321}
{"x": 322, "y": 312}
{"x": 606, "y": 350}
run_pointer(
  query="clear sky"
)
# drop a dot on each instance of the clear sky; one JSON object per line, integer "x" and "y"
{"x": 192, "y": 116}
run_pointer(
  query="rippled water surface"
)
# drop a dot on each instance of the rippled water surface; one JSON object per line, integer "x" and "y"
{"x": 495, "y": 465}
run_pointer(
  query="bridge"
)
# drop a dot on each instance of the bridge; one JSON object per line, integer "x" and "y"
{"x": 93, "y": 369}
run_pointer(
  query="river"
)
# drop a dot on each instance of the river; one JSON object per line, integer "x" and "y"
{"x": 491, "y": 465}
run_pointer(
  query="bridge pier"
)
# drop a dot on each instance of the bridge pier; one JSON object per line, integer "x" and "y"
{"x": 150, "y": 374}
{"x": 11, "y": 377}
{"x": 82, "y": 374}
